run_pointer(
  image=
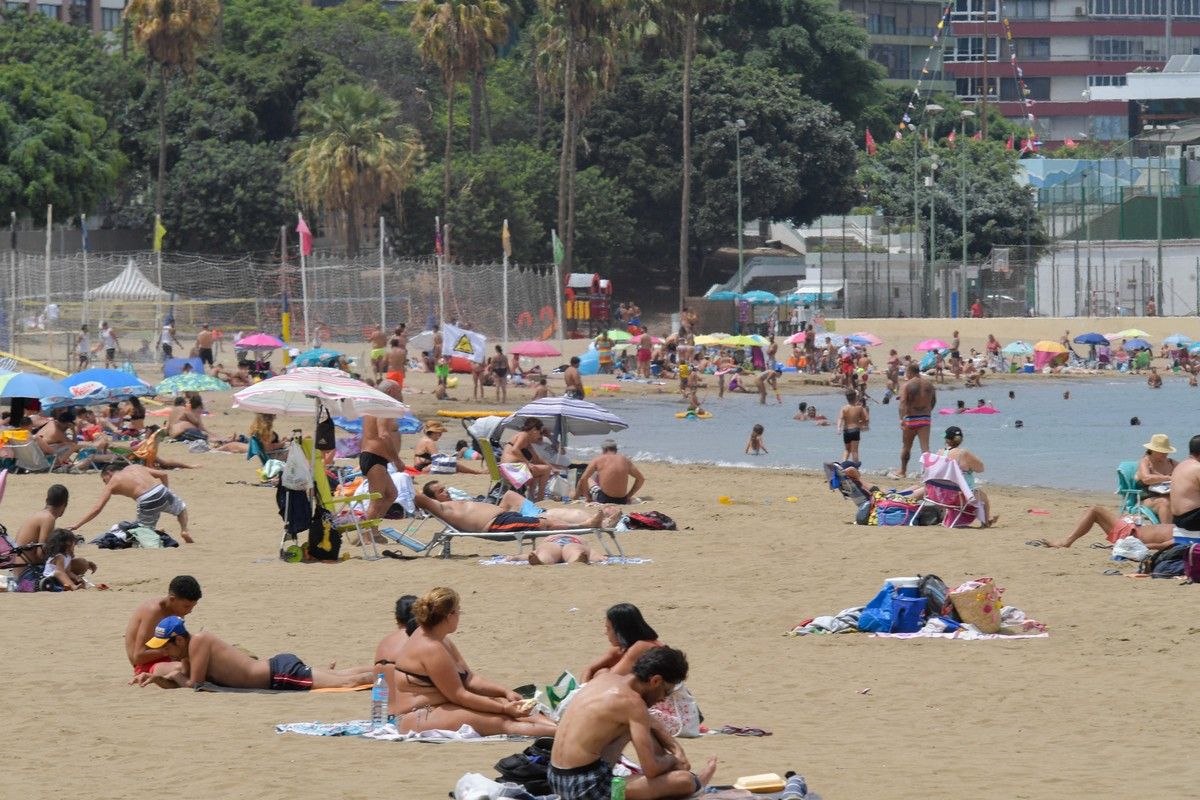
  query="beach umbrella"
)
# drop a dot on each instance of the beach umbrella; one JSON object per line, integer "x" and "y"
{"x": 563, "y": 416}
{"x": 759, "y": 298}
{"x": 258, "y": 341}
{"x": 174, "y": 366}
{"x": 618, "y": 335}
{"x": 304, "y": 390}
{"x": 722, "y": 295}
{"x": 29, "y": 386}
{"x": 1136, "y": 344}
{"x": 745, "y": 340}
{"x": 317, "y": 357}
{"x": 711, "y": 339}
{"x": 535, "y": 349}
{"x": 864, "y": 338}
{"x": 796, "y": 338}
{"x": 1017, "y": 348}
{"x": 1091, "y": 338}
{"x": 1130, "y": 333}
{"x": 98, "y": 386}
{"x": 1178, "y": 340}
{"x": 191, "y": 382}
{"x": 405, "y": 424}
{"x": 931, "y": 344}
{"x": 1047, "y": 346}
{"x": 930, "y": 359}
{"x": 1194, "y": 349}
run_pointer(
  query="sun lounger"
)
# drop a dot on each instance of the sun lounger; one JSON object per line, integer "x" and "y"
{"x": 444, "y": 538}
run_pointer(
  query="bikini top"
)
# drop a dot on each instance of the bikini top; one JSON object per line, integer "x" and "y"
{"x": 423, "y": 680}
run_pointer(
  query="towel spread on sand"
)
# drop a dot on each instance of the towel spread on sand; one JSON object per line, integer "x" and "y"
{"x": 388, "y": 732}
{"x": 212, "y": 687}
{"x": 505, "y": 561}
{"x": 966, "y": 632}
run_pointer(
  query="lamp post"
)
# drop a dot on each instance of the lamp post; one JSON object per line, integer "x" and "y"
{"x": 738, "y": 126}
{"x": 931, "y": 109}
{"x": 965, "y": 114}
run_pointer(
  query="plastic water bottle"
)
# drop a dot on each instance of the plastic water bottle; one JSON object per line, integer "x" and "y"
{"x": 379, "y": 702}
{"x": 618, "y": 788}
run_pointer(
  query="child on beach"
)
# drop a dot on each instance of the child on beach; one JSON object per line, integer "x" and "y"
{"x": 756, "y": 445}
{"x": 464, "y": 451}
{"x": 853, "y": 419}
{"x": 65, "y": 570}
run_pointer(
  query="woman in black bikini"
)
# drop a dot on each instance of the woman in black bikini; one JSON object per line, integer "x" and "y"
{"x": 519, "y": 450}
{"x": 499, "y": 367}
{"x": 434, "y": 689}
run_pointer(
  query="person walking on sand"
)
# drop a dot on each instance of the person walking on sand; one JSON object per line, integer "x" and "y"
{"x": 918, "y": 396}
{"x": 853, "y": 419}
{"x": 149, "y": 491}
{"x": 574, "y": 383}
{"x": 108, "y": 341}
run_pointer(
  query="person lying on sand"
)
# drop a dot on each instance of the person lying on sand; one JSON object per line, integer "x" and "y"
{"x": 1116, "y": 527}
{"x": 435, "y": 689}
{"x": 205, "y": 657}
{"x": 468, "y": 515}
{"x": 183, "y": 594}
{"x": 562, "y": 548}
{"x": 148, "y": 489}
{"x": 611, "y": 711}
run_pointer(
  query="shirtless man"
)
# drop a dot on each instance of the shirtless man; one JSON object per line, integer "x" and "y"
{"x": 52, "y": 437}
{"x": 182, "y": 596}
{"x": 611, "y": 711}
{"x": 185, "y": 421}
{"x": 768, "y": 377}
{"x": 204, "y": 345}
{"x": 36, "y": 530}
{"x": 612, "y": 472}
{"x": 574, "y": 382}
{"x": 917, "y": 399}
{"x": 853, "y": 419}
{"x": 540, "y": 389}
{"x": 468, "y": 515}
{"x": 380, "y": 447}
{"x": 397, "y": 363}
{"x": 148, "y": 489}
{"x": 1185, "y": 489}
{"x": 378, "y": 341}
{"x": 205, "y": 657}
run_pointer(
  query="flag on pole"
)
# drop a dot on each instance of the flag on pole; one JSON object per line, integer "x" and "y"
{"x": 506, "y": 240}
{"x": 83, "y": 232}
{"x": 556, "y": 247}
{"x": 305, "y": 236}
{"x": 870, "y": 143}
{"x": 461, "y": 343}
{"x": 437, "y": 237}
{"x": 159, "y": 233}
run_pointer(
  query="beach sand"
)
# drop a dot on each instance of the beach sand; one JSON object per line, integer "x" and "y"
{"x": 1085, "y": 713}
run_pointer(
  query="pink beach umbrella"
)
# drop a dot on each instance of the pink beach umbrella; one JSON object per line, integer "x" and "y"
{"x": 258, "y": 341}
{"x": 931, "y": 344}
{"x": 796, "y": 338}
{"x": 862, "y": 337}
{"x": 535, "y": 349}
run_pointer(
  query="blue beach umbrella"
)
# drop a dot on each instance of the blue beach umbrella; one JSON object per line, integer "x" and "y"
{"x": 1194, "y": 350}
{"x": 29, "y": 386}
{"x": 760, "y": 298}
{"x": 1091, "y": 338}
{"x": 317, "y": 357}
{"x": 1018, "y": 348}
{"x": 1178, "y": 340}
{"x": 99, "y": 386}
{"x": 1136, "y": 344}
{"x": 723, "y": 295}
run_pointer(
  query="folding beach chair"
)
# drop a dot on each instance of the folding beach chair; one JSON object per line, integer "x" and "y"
{"x": 1130, "y": 493}
{"x": 350, "y": 520}
{"x": 28, "y": 457}
{"x": 946, "y": 488}
{"x": 851, "y": 489}
{"x": 20, "y": 562}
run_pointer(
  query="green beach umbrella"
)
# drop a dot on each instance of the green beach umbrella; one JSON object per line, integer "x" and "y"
{"x": 191, "y": 382}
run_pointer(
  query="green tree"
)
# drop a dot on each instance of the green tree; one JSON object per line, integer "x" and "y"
{"x": 54, "y": 147}
{"x": 488, "y": 28}
{"x": 353, "y": 156}
{"x": 172, "y": 33}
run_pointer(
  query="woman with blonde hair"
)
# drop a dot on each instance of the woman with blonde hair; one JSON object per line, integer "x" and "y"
{"x": 263, "y": 429}
{"x": 434, "y": 689}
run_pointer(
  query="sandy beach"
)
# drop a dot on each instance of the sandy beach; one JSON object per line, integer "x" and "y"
{"x": 1071, "y": 716}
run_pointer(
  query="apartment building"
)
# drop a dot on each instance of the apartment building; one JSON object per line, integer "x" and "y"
{"x": 901, "y": 32}
{"x": 99, "y": 15}
{"x": 1064, "y": 48}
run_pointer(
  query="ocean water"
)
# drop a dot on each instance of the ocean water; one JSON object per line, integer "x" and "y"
{"x": 1073, "y": 444}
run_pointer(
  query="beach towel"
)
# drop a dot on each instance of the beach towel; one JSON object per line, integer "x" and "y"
{"x": 212, "y": 687}
{"x": 495, "y": 561}
{"x": 389, "y": 732}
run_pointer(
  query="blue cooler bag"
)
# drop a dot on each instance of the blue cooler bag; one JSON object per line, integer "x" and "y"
{"x": 879, "y": 614}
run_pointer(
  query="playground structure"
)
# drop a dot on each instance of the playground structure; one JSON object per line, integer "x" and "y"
{"x": 587, "y": 304}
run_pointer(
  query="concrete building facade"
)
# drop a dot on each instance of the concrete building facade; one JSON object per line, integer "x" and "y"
{"x": 100, "y": 16}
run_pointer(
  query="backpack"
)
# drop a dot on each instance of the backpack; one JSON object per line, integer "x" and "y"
{"x": 936, "y": 594}
{"x": 651, "y": 520}
{"x": 528, "y": 767}
{"x": 1166, "y": 563}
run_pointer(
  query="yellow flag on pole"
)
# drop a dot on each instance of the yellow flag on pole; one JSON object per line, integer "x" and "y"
{"x": 506, "y": 240}
{"x": 159, "y": 233}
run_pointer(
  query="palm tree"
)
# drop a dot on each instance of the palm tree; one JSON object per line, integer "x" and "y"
{"x": 486, "y": 28}
{"x": 353, "y": 155}
{"x": 172, "y": 33}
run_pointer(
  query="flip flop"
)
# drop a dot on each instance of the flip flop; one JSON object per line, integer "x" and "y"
{"x": 1099, "y": 546}
{"x": 397, "y": 556}
{"x": 1037, "y": 543}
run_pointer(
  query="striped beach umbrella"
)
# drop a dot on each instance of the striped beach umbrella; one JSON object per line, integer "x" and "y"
{"x": 302, "y": 390}
{"x": 563, "y": 416}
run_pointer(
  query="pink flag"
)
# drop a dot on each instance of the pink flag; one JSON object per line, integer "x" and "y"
{"x": 437, "y": 236}
{"x": 870, "y": 143}
{"x": 305, "y": 237}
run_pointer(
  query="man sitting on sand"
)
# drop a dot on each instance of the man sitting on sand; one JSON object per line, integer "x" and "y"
{"x": 148, "y": 489}
{"x": 613, "y": 710}
{"x": 37, "y": 529}
{"x": 182, "y": 596}
{"x": 206, "y": 658}
{"x": 468, "y": 515}
{"x": 185, "y": 421}
{"x": 606, "y": 479}
{"x": 1116, "y": 527}
{"x": 1185, "y": 489}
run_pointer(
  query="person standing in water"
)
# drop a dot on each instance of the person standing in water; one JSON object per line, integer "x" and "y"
{"x": 853, "y": 419}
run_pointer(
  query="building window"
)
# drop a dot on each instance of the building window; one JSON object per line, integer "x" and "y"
{"x": 1035, "y": 88}
{"x": 1033, "y": 49}
{"x": 47, "y": 10}
{"x": 110, "y": 19}
{"x": 16, "y": 6}
{"x": 970, "y": 48}
{"x": 1187, "y": 8}
{"x": 1106, "y": 80}
{"x": 1153, "y": 9}
{"x": 1111, "y": 48}
{"x": 881, "y": 24}
{"x": 971, "y": 88}
{"x": 973, "y": 10}
{"x": 1034, "y": 9}
{"x": 1110, "y": 128}
{"x": 894, "y": 58}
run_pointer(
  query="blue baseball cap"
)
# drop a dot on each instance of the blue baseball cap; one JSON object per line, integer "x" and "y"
{"x": 165, "y": 630}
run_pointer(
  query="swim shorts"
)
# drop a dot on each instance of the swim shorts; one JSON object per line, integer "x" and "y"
{"x": 110, "y": 354}
{"x": 289, "y": 673}
{"x": 378, "y": 353}
{"x": 396, "y": 375}
{"x": 148, "y": 667}
{"x": 168, "y": 351}
{"x": 1124, "y": 527}
{"x": 1189, "y": 521}
{"x": 916, "y": 421}
{"x": 511, "y": 521}
{"x": 152, "y": 505}
{"x": 564, "y": 539}
{"x": 590, "y": 782}
{"x": 367, "y": 461}
{"x": 573, "y": 394}
{"x": 206, "y": 356}
{"x": 599, "y": 496}
{"x": 850, "y": 435}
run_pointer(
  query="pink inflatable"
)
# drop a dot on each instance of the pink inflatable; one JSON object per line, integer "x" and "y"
{"x": 977, "y": 410}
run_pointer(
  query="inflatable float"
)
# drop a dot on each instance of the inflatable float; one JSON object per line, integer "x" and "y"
{"x": 693, "y": 415}
{"x": 976, "y": 410}
{"x": 473, "y": 414}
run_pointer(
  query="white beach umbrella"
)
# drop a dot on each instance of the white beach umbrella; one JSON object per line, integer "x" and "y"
{"x": 304, "y": 390}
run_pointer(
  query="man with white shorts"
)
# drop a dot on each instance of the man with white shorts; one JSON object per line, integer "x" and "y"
{"x": 148, "y": 489}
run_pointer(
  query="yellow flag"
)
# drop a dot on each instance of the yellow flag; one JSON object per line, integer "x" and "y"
{"x": 506, "y": 240}
{"x": 159, "y": 233}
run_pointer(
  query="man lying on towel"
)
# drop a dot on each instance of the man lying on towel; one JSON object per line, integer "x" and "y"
{"x": 204, "y": 657}
{"x": 510, "y": 516}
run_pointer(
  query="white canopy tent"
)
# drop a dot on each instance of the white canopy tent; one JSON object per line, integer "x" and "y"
{"x": 131, "y": 284}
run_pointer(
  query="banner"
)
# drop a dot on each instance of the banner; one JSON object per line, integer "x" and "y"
{"x": 460, "y": 343}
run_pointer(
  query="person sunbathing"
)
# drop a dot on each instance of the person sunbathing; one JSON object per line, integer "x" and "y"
{"x": 52, "y": 437}
{"x": 468, "y": 515}
{"x": 629, "y": 637}
{"x": 184, "y": 422}
{"x": 389, "y": 646}
{"x": 263, "y": 429}
{"x": 427, "y": 450}
{"x": 1116, "y": 527}
{"x": 206, "y": 658}
{"x": 1154, "y": 470}
{"x": 433, "y": 687}
{"x": 608, "y": 713}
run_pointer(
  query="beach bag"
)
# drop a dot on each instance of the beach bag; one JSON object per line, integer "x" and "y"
{"x": 977, "y": 603}
{"x": 1166, "y": 563}
{"x": 324, "y": 439}
{"x": 894, "y": 512}
{"x": 443, "y": 464}
{"x": 651, "y": 521}
{"x": 297, "y": 474}
{"x": 879, "y": 614}
{"x": 516, "y": 474}
{"x": 528, "y": 767}
{"x": 936, "y": 594}
{"x": 678, "y": 713}
{"x": 1191, "y": 564}
{"x": 324, "y": 543}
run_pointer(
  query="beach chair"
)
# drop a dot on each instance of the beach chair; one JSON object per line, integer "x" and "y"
{"x": 19, "y": 561}
{"x": 851, "y": 489}
{"x": 29, "y": 458}
{"x": 947, "y": 489}
{"x": 1130, "y": 493}
{"x": 350, "y": 521}
{"x": 443, "y": 539}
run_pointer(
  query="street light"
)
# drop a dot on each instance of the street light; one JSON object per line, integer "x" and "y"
{"x": 965, "y": 114}
{"x": 739, "y": 126}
